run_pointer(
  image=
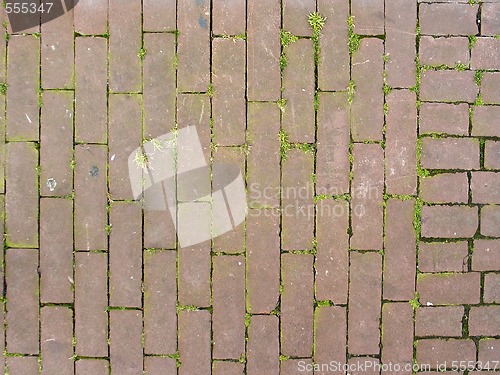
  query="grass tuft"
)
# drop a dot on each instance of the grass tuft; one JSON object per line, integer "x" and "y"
{"x": 287, "y": 38}
{"x": 142, "y": 53}
{"x": 415, "y": 302}
{"x": 351, "y": 91}
{"x": 317, "y": 22}
{"x": 281, "y": 104}
{"x": 3, "y": 88}
{"x": 354, "y": 39}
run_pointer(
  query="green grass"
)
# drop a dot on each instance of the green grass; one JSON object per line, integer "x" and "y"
{"x": 317, "y": 22}
{"x": 478, "y": 77}
{"x": 472, "y": 41}
{"x": 351, "y": 91}
{"x": 460, "y": 67}
{"x": 142, "y": 53}
{"x": 283, "y": 62}
{"x": 415, "y": 302}
{"x": 3, "y": 88}
{"x": 210, "y": 90}
{"x": 285, "y": 145}
{"x": 287, "y": 38}
{"x": 354, "y": 39}
{"x": 141, "y": 160}
{"x": 281, "y": 104}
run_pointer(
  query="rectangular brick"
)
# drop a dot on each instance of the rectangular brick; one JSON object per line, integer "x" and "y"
{"x": 440, "y": 351}
{"x": 449, "y": 288}
{"x": 489, "y": 87}
{"x": 194, "y": 275}
{"x": 449, "y": 221}
{"x": 296, "y": 366}
{"x": 486, "y": 255}
{"x": 228, "y": 368}
{"x": 57, "y": 340}
{"x": 448, "y": 86}
{"x": 3, "y": 46}
{"x": 484, "y": 121}
{"x": 484, "y": 186}
{"x": 295, "y": 14}
{"x": 21, "y": 199}
{"x": 125, "y": 334}
{"x": 297, "y": 305}
{"x": 56, "y": 144}
{"x": 2, "y": 145}
{"x": 298, "y": 83}
{"x": 21, "y": 276}
{"x": 160, "y": 366}
{"x": 367, "y": 108}
{"x": 91, "y": 301}
{"x": 330, "y": 323}
{"x": 450, "y": 153}
{"x": 365, "y": 292}
{"x": 489, "y": 19}
{"x": 484, "y": 54}
{"x": 23, "y": 82}
{"x": 448, "y": 19}
{"x": 22, "y": 366}
{"x": 368, "y": 16}
{"x": 263, "y": 345}
{"x": 445, "y": 188}
{"x": 195, "y": 110}
{"x": 401, "y": 138}
{"x": 194, "y": 342}
{"x": 357, "y": 362}
{"x": 90, "y": 89}
{"x": 489, "y": 350}
{"x": 91, "y": 17}
{"x": 229, "y": 17}
{"x": 367, "y": 197}
{"x": 92, "y": 367}
{"x": 444, "y": 51}
{"x": 491, "y": 292}
{"x": 492, "y": 155}
{"x": 444, "y": 118}
{"x": 443, "y": 257}
{"x": 90, "y": 197}
{"x": 159, "y": 15}
{"x": 490, "y": 221}
{"x": 439, "y": 321}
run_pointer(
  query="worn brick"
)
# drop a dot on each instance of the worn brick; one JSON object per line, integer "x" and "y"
{"x": 21, "y": 276}
{"x": 444, "y": 118}
{"x": 485, "y": 54}
{"x": 194, "y": 342}
{"x": 363, "y": 365}
{"x": 91, "y": 301}
{"x": 159, "y": 230}
{"x": 23, "y": 82}
{"x": 90, "y": 89}
{"x": 401, "y": 138}
{"x": 400, "y": 250}
{"x": 296, "y": 366}
{"x": 489, "y": 88}
{"x": 452, "y": 288}
{"x": 330, "y": 323}
{"x": 91, "y": 367}
{"x": 368, "y": 16}
{"x": 194, "y": 110}
{"x": 295, "y": 14}
{"x": 22, "y": 365}
{"x": 439, "y": 321}
{"x": 450, "y": 153}
{"x": 485, "y": 121}
{"x": 486, "y": 255}
{"x": 21, "y": 199}
{"x": 449, "y": 221}
{"x": 125, "y": 334}
{"x": 91, "y": 17}
{"x": 367, "y": 107}
{"x": 298, "y": 83}
{"x": 484, "y": 186}
{"x": 448, "y": 19}
{"x": 439, "y": 351}
{"x": 491, "y": 288}
{"x": 484, "y": 321}
{"x": 443, "y": 257}
{"x": 444, "y": 188}
{"x": 490, "y": 221}
{"x": 263, "y": 345}
{"x": 365, "y": 292}
{"x": 57, "y": 340}
{"x": 448, "y": 86}
{"x": 227, "y": 368}
{"x": 367, "y": 197}
{"x": 159, "y": 15}
{"x": 229, "y": 17}
{"x": 90, "y": 197}
{"x": 444, "y": 51}
{"x": 490, "y": 23}
{"x": 160, "y": 366}
{"x": 194, "y": 275}
{"x": 492, "y": 155}
{"x": 489, "y": 350}
{"x": 297, "y": 305}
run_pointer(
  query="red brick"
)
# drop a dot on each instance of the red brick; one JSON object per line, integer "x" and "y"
{"x": 228, "y": 368}
{"x": 91, "y": 367}
{"x": 159, "y": 230}
{"x": 21, "y": 199}
{"x": 22, "y": 366}
{"x": 330, "y": 323}
{"x": 489, "y": 350}
{"x": 91, "y": 16}
{"x": 22, "y": 301}
{"x": 486, "y": 255}
{"x": 449, "y": 221}
{"x": 297, "y": 305}
{"x": 484, "y": 121}
{"x": 365, "y": 294}
{"x": 296, "y": 366}
{"x": 401, "y": 139}
{"x": 367, "y": 107}
{"x": 57, "y": 340}
{"x": 450, "y": 153}
{"x": 443, "y": 51}
{"x": 91, "y": 301}
{"x": 439, "y": 351}
{"x": 90, "y": 89}
{"x": 444, "y": 118}
{"x": 298, "y": 83}
{"x": 492, "y": 155}
{"x": 125, "y": 334}
{"x": 448, "y": 289}
{"x": 158, "y": 15}
{"x": 490, "y": 221}
{"x": 263, "y": 345}
{"x": 229, "y": 17}
{"x": 491, "y": 288}
{"x": 363, "y": 365}
{"x": 444, "y": 188}
{"x": 484, "y": 321}
{"x": 90, "y": 197}
{"x": 160, "y": 366}
{"x": 443, "y": 257}
{"x": 194, "y": 342}
{"x": 332, "y": 165}
{"x": 295, "y": 14}
{"x": 400, "y": 26}
{"x": 400, "y": 251}
{"x": 367, "y": 191}
{"x": 489, "y": 87}
{"x": 23, "y": 82}
{"x": 194, "y": 110}
{"x": 484, "y": 186}
{"x": 490, "y": 25}
{"x": 194, "y": 275}
{"x": 448, "y": 19}
{"x": 368, "y": 16}
{"x": 439, "y": 321}
{"x": 448, "y": 86}
{"x": 485, "y": 54}
{"x": 194, "y": 45}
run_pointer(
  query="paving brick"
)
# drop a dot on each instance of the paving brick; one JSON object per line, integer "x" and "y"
{"x": 489, "y": 88}
{"x": 484, "y": 186}
{"x": 368, "y": 16}
{"x": 400, "y": 251}
{"x": 484, "y": 121}
{"x": 194, "y": 342}
{"x": 263, "y": 50}
{"x": 450, "y": 153}
{"x": 485, "y": 54}
{"x": 439, "y": 321}
{"x": 492, "y": 155}
{"x": 298, "y": 83}
{"x": 363, "y": 365}
{"x": 159, "y": 366}
{"x": 22, "y": 301}
{"x": 444, "y": 188}
{"x": 91, "y": 367}
{"x": 22, "y": 365}
{"x": 263, "y": 160}
{"x": 194, "y": 275}
{"x": 263, "y": 261}
{"x": 332, "y": 165}
{"x": 297, "y": 201}
{"x": 23, "y": 82}
{"x": 159, "y": 80}
{"x": 448, "y": 86}
{"x": 297, "y": 305}
{"x": 486, "y": 255}
{"x": 194, "y": 45}
{"x": 401, "y": 137}
{"x": 2, "y": 145}
{"x": 332, "y": 251}
{"x": 449, "y": 221}
{"x": 263, "y": 345}
{"x": 125, "y": 333}
{"x": 491, "y": 288}
{"x": 449, "y": 289}
{"x": 2, "y": 259}
{"x": 90, "y": 197}
{"x": 490, "y": 24}
{"x": 159, "y": 230}
{"x": 228, "y": 103}
{"x": 490, "y": 221}
{"x": 333, "y": 68}
{"x": 444, "y": 118}
{"x": 367, "y": 197}
{"x": 194, "y": 110}
{"x": 367, "y": 107}
{"x": 21, "y": 199}
{"x": 3, "y": 68}
{"x": 90, "y": 89}
{"x": 91, "y": 301}
{"x": 330, "y": 323}
{"x": 484, "y": 321}
{"x": 448, "y": 19}
{"x": 443, "y": 256}
{"x": 57, "y": 340}
{"x": 489, "y": 350}
{"x": 91, "y": 17}
{"x": 439, "y": 351}
{"x": 227, "y": 368}
{"x": 400, "y": 26}
{"x": 159, "y": 15}
{"x": 365, "y": 292}
{"x": 229, "y": 17}
{"x": 295, "y": 14}
{"x": 444, "y": 51}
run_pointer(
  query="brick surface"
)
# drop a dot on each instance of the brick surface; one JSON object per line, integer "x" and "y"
{"x": 448, "y": 19}
{"x": 484, "y": 186}
{"x": 453, "y": 288}
{"x": 449, "y": 221}
{"x": 484, "y": 321}
{"x": 263, "y": 345}
{"x": 439, "y": 351}
{"x": 444, "y": 188}
{"x": 330, "y": 333}
{"x": 450, "y": 153}
{"x": 194, "y": 342}
{"x": 229, "y": 17}
{"x": 22, "y": 365}
{"x": 368, "y": 16}
{"x": 295, "y": 16}
{"x": 227, "y": 368}
{"x": 486, "y": 255}
{"x": 194, "y": 276}
{"x": 439, "y": 321}
{"x": 363, "y": 365}
{"x": 489, "y": 84}
{"x": 489, "y": 350}
{"x": 444, "y": 118}
{"x": 2, "y": 146}
{"x": 159, "y": 15}
{"x": 443, "y": 257}
{"x": 484, "y": 121}
{"x": 485, "y": 54}
{"x": 295, "y": 366}
{"x": 492, "y": 155}
{"x": 490, "y": 24}
{"x": 490, "y": 221}
{"x": 444, "y": 51}
{"x": 448, "y": 86}
{"x": 91, "y": 16}
{"x": 160, "y": 366}
{"x": 125, "y": 352}
{"x": 56, "y": 340}
{"x": 491, "y": 288}
{"x": 397, "y": 334}
{"x": 91, "y": 367}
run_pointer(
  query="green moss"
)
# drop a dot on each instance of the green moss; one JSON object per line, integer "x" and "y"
{"x": 3, "y": 88}
{"x": 285, "y": 145}
{"x": 281, "y": 104}
{"x": 460, "y": 67}
{"x": 142, "y": 53}
{"x": 478, "y": 77}
{"x": 472, "y": 41}
{"x": 415, "y": 302}
{"x": 287, "y": 38}
{"x": 210, "y": 90}
{"x": 354, "y": 39}
{"x": 387, "y": 89}
{"x": 351, "y": 91}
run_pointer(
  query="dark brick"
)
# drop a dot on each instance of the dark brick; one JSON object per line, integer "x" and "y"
{"x": 194, "y": 342}
{"x": 22, "y": 366}
{"x": 444, "y": 118}
{"x": 489, "y": 87}
{"x": 450, "y": 153}
{"x": 330, "y": 324}
{"x": 486, "y": 256}
{"x": 443, "y": 257}
{"x": 484, "y": 321}
{"x": 263, "y": 345}
{"x": 228, "y": 368}
{"x": 449, "y": 221}
{"x": 449, "y": 289}
{"x": 295, "y": 16}
{"x": 448, "y": 86}
{"x": 448, "y": 19}
{"x": 57, "y": 340}
{"x": 485, "y": 121}
{"x": 92, "y": 367}
{"x": 439, "y": 321}
{"x": 491, "y": 288}
{"x": 484, "y": 186}
{"x": 489, "y": 350}
{"x": 125, "y": 348}
{"x": 91, "y": 16}
{"x": 158, "y": 15}
{"x": 490, "y": 23}
{"x": 444, "y": 188}
{"x": 160, "y": 366}
{"x": 443, "y": 51}
{"x": 229, "y": 17}
{"x": 368, "y": 16}
{"x": 492, "y": 155}
{"x": 194, "y": 275}
{"x": 490, "y": 221}
{"x": 485, "y": 54}
{"x": 439, "y": 351}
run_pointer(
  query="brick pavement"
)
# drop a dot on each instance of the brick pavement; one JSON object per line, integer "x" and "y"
{"x": 370, "y": 147}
